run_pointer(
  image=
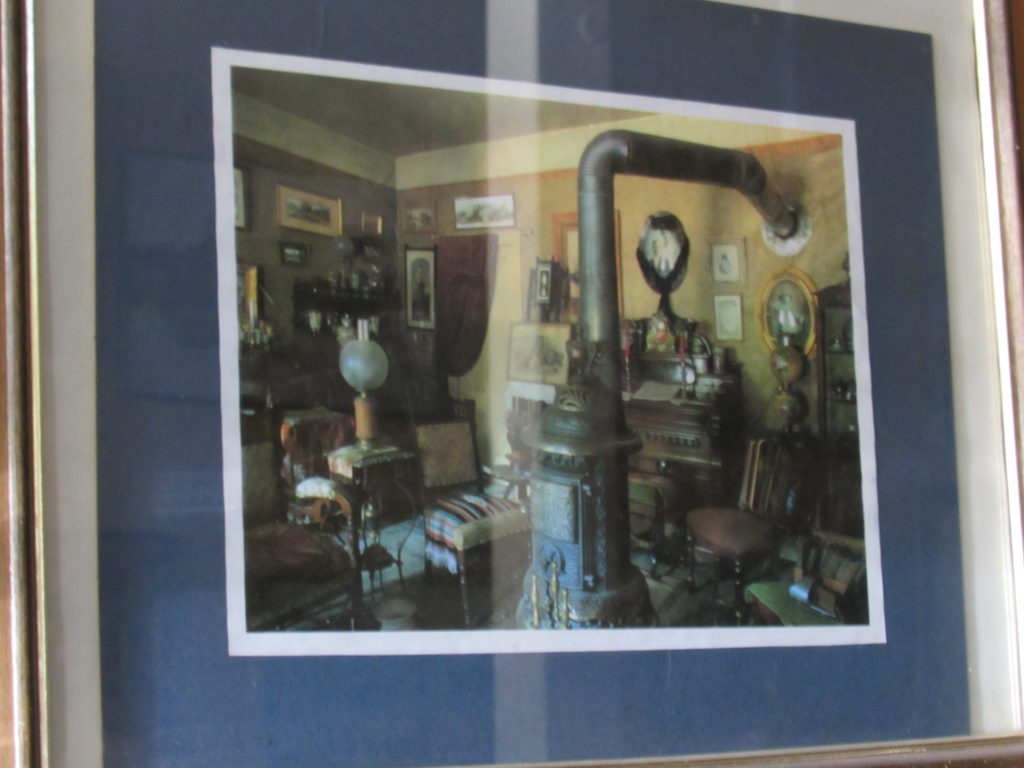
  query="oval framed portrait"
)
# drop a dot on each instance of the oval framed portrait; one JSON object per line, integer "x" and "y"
{"x": 789, "y": 311}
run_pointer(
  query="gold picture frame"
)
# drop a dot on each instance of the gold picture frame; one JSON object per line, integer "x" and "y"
{"x": 788, "y": 311}
{"x": 307, "y": 211}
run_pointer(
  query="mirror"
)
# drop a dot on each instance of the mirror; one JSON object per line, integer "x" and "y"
{"x": 663, "y": 252}
{"x": 789, "y": 311}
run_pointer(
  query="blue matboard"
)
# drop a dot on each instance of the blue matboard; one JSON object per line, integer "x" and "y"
{"x": 171, "y": 694}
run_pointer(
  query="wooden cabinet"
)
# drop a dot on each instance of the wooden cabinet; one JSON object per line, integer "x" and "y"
{"x": 841, "y": 509}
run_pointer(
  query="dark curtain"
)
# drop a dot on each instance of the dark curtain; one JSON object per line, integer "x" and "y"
{"x": 465, "y": 269}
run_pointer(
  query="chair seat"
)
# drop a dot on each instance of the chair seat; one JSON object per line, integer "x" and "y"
{"x": 459, "y": 522}
{"x": 462, "y": 521}
{"x": 731, "y": 532}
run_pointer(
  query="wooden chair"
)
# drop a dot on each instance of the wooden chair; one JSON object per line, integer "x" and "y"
{"x": 770, "y": 505}
{"x": 458, "y": 516}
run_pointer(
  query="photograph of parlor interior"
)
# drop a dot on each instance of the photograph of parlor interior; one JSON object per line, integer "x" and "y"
{"x": 474, "y": 396}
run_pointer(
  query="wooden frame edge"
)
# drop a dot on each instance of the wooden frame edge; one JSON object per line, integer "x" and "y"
{"x": 22, "y": 685}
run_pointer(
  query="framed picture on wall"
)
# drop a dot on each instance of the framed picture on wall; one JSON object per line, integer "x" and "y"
{"x": 789, "y": 310}
{"x": 419, "y": 218}
{"x": 295, "y": 254}
{"x": 420, "y": 287}
{"x": 297, "y": 209}
{"x": 542, "y": 292}
{"x": 483, "y": 212}
{"x": 371, "y": 223}
{"x": 537, "y": 354}
{"x": 729, "y": 317}
{"x": 728, "y": 262}
{"x": 943, "y": 506}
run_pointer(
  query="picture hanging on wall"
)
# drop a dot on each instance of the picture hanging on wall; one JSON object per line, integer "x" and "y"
{"x": 536, "y": 352}
{"x": 789, "y": 311}
{"x": 371, "y": 223}
{"x": 420, "y": 275}
{"x": 307, "y": 211}
{"x": 533, "y": 355}
{"x": 813, "y": 99}
{"x": 419, "y": 219}
{"x": 544, "y": 277}
{"x": 729, "y": 317}
{"x": 482, "y": 212}
{"x": 728, "y": 262}
{"x": 295, "y": 254}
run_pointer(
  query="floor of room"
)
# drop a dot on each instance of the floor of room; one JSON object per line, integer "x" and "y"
{"x": 407, "y": 597}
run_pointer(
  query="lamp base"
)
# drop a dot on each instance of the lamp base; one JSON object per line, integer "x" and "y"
{"x": 366, "y": 420}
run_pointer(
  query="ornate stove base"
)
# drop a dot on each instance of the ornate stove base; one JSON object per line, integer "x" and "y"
{"x": 546, "y": 606}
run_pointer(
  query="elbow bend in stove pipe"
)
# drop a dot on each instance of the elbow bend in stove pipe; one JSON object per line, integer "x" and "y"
{"x": 639, "y": 154}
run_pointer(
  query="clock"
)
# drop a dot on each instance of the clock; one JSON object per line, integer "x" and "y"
{"x": 663, "y": 253}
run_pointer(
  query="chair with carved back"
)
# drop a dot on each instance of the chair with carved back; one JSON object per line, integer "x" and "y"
{"x": 464, "y": 525}
{"x": 771, "y": 504}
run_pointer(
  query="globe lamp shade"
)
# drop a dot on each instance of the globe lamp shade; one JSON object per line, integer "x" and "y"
{"x": 364, "y": 365}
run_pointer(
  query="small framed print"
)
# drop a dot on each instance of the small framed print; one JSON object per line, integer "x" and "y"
{"x": 371, "y": 224}
{"x": 420, "y": 304}
{"x": 307, "y": 211}
{"x": 542, "y": 294}
{"x": 419, "y": 219}
{"x": 728, "y": 262}
{"x": 295, "y": 254}
{"x": 729, "y": 317}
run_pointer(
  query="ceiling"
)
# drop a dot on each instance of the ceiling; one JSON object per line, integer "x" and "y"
{"x": 401, "y": 119}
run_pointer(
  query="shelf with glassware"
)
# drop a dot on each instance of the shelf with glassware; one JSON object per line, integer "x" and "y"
{"x": 320, "y": 305}
{"x": 837, "y": 413}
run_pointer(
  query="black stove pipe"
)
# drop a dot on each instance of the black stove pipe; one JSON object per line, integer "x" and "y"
{"x": 639, "y": 154}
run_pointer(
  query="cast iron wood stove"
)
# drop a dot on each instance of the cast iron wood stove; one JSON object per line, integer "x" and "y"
{"x": 581, "y": 575}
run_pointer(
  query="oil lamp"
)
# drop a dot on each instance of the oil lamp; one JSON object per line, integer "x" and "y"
{"x": 364, "y": 365}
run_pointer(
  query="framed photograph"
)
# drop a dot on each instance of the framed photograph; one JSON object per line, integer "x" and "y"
{"x": 789, "y": 311}
{"x": 149, "y": 441}
{"x": 420, "y": 287}
{"x": 537, "y": 354}
{"x": 371, "y": 223}
{"x": 729, "y": 317}
{"x": 241, "y": 199}
{"x": 419, "y": 219}
{"x": 304, "y": 210}
{"x": 728, "y": 263}
{"x": 485, "y": 212}
{"x": 543, "y": 284}
{"x": 295, "y": 254}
